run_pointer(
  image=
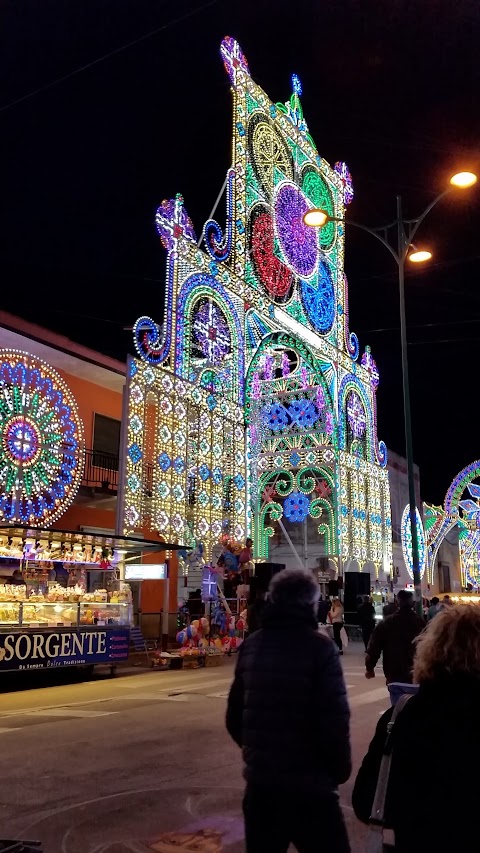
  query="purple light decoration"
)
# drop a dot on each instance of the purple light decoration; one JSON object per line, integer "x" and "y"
{"x": 369, "y": 363}
{"x": 285, "y": 364}
{"x": 253, "y": 434}
{"x": 356, "y": 414}
{"x": 298, "y": 241}
{"x": 256, "y": 390}
{"x": 320, "y": 399}
{"x": 304, "y": 377}
{"x": 211, "y": 332}
{"x": 233, "y": 57}
{"x": 341, "y": 169}
{"x": 329, "y": 423}
{"x": 268, "y": 367}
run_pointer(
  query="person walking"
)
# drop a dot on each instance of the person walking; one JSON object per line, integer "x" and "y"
{"x": 324, "y": 605}
{"x": 393, "y": 639}
{"x": 335, "y": 616}
{"x": 288, "y": 711}
{"x": 447, "y": 670}
{"x": 434, "y": 608}
{"x": 366, "y": 618}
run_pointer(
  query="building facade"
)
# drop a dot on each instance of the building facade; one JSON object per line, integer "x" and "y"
{"x": 250, "y": 409}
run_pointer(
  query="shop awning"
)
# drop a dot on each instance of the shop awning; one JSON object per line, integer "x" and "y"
{"x": 131, "y": 546}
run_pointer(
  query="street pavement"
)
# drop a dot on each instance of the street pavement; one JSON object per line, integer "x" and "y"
{"x": 117, "y": 765}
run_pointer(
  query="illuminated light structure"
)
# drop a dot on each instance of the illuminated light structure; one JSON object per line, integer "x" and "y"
{"x": 41, "y": 441}
{"x": 406, "y": 536}
{"x": 462, "y": 513}
{"x": 251, "y": 405}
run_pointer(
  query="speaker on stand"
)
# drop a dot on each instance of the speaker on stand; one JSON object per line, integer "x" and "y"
{"x": 264, "y": 573}
{"x": 355, "y": 584}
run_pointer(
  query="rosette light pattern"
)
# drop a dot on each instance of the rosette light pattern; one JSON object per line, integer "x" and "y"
{"x": 41, "y": 441}
{"x": 356, "y": 414}
{"x": 303, "y": 412}
{"x": 298, "y": 241}
{"x": 211, "y": 332}
{"x": 296, "y": 506}
{"x": 276, "y": 417}
{"x": 406, "y": 534}
{"x": 318, "y": 299}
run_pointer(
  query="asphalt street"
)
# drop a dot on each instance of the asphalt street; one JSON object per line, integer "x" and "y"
{"x": 112, "y": 765}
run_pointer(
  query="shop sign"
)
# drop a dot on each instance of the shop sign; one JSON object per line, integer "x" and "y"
{"x": 49, "y": 649}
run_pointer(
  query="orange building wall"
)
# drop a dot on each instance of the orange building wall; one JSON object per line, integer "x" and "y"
{"x": 93, "y": 398}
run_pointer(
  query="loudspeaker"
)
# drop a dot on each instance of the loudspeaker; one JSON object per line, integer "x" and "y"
{"x": 264, "y": 573}
{"x": 355, "y": 584}
{"x": 333, "y": 588}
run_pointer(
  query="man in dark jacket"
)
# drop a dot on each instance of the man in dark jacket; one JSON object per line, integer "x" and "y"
{"x": 393, "y": 638}
{"x": 289, "y": 712}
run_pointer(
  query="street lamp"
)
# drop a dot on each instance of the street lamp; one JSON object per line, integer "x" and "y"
{"x": 400, "y": 246}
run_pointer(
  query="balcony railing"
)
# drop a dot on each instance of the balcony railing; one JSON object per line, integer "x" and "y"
{"x": 100, "y": 471}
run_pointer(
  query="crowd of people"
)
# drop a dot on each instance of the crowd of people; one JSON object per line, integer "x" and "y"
{"x": 288, "y": 710}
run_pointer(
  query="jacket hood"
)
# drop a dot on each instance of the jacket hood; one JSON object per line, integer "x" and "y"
{"x": 289, "y": 616}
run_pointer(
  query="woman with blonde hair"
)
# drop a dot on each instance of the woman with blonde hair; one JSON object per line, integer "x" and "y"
{"x": 426, "y": 775}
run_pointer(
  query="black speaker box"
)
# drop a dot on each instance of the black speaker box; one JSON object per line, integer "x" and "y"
{"x": 264, "y": 573}
{"x": 355, "y": 584}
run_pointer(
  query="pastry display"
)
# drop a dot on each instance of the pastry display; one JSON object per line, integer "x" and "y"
{"x": 64, "y": 606}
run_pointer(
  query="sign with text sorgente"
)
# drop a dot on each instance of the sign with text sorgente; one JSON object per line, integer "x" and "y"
{"x": 49, "y": 649}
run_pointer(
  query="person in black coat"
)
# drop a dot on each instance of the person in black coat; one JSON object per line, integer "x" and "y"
{"x": 425, "y": 773}
{"x": 393, "y": 639}
{"x": 366, "y": 618}
{"x": 288, "y": 711}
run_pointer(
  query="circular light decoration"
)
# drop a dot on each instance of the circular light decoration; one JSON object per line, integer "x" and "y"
{"x": 273, "y": 273}
{"x": 341, "y": 169}
{"x": 356, "y": 415}
{"x": 318, "y": 299}
{"x": 319, "y": 194}
{"x": 304, "y": 413}
{"x": 297, "y": 240}
{"x": 269, "y": 153}
{"x": 275, "y": 416}
{"x": 296, "y": 506}
{"x": 210, "y": 332}
{"x": 406, "y": 534}
{"x": 41, "y": 441}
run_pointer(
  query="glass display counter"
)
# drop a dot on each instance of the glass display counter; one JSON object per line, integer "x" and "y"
{"x": 35, "y": 614}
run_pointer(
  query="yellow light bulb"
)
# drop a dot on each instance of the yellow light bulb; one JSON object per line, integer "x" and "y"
{"x": 315, "y": 217}
{"x": 419, "y": 257}
{"x": 463, "y": 180}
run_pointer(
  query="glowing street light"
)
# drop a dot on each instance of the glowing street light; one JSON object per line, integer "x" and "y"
{"x": 463, "y": 180}
{"x": 419, "y": 256}
{"x": 315, "y": 217}
{"x": 397, "y": 237}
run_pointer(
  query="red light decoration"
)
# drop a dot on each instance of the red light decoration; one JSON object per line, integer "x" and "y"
{"x": 275, "y": 275}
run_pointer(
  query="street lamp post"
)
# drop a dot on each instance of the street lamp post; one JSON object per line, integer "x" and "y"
{"x": 397, "y": 237}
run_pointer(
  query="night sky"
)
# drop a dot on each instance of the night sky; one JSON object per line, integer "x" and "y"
{"x": 390, "y": 87}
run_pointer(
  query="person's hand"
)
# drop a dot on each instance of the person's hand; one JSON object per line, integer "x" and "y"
{"x": 369, "y": 673}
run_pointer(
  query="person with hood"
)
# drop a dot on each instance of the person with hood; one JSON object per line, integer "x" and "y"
{"x": 288, "y": 711}
{"x": 393, "y": 639}
{"x": 447, "y": 703}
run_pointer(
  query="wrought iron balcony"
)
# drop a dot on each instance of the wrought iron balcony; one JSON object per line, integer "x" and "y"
{"x": 100, "y": 471}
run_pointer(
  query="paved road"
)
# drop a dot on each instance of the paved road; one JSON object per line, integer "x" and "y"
{"x": 108, "y": 766}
